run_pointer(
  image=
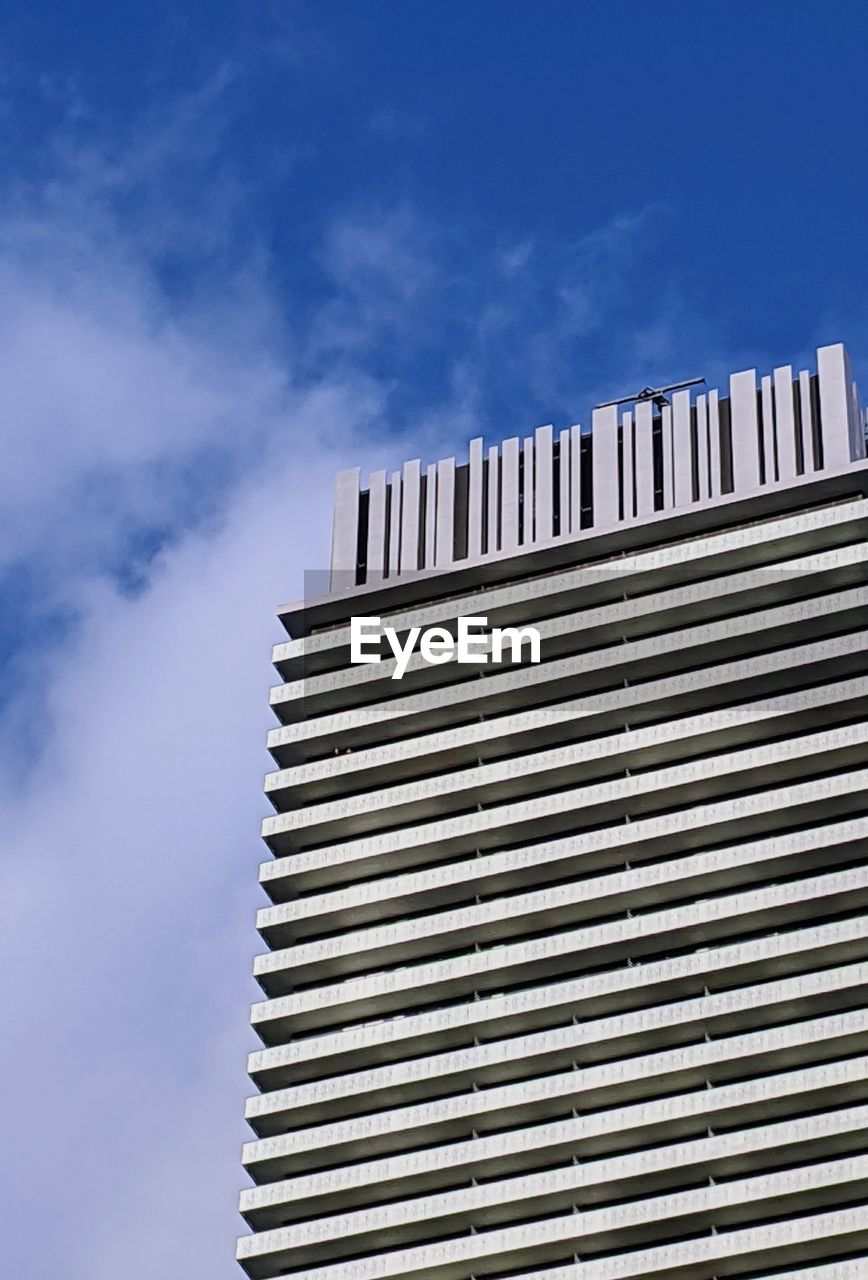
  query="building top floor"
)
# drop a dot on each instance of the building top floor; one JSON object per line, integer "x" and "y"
{"x": 656, "y": 459}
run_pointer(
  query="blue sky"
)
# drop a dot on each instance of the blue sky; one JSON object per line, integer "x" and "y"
{"x": 242, "y": 245}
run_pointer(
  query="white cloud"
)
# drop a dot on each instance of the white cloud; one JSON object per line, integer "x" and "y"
{"x": 131, "y": 887}
{"x": 395, "y": 126}
{"x": 176, "y": 439}
{"x": 114, "y": 396}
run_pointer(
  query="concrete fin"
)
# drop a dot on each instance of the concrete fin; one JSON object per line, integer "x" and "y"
{"x": 838, "y": 426}
{"x": 493, "y": 498}
{"x": 643, "y": 435}
{"x": 564, "y": 480}
{"x": 527, "y": 493}
{"x": 394, "y": 523}
{"x": 576, "y": 495}
{"x": 604, "y": 444}
{"x": 627, "y": 504}
{"x": 430, "y": 515}
{"x": 785, "y": 423}
{"x": 509, "y": 494}
{"x": 445, "y": 532}
{"x": 474, "y": 500}
{"x": 345, "y": 529}
{"x": 376, "y": 526}
{"x": 682, "y": 456}
{"x": 410, "y": 501}
{"x": 745, "y": 431}
{"x": 714, "y": 443}
{"x": 543, "y": 486}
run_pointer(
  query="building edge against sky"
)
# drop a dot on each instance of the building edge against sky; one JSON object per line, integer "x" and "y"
{"x": 565, "y": 965}
{"x": 633, "y": 463}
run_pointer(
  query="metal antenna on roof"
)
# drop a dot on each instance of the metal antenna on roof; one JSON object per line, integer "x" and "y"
{"x": 657, "y": 395}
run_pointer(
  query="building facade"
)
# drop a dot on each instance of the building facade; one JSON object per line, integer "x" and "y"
{"x": 566, "y": 962}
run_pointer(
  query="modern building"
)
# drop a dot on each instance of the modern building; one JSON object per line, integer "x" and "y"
{"x": 566, "y": 962}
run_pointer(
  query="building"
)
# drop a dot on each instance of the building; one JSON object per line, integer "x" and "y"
{"x": 567, "y": 962}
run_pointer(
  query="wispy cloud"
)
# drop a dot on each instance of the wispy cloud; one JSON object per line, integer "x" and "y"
{"x": 130, "y": 884}
{"x": 543, "y": 326}
{"x": 395, "y": 126}
{"x": 171, "y": 433}
{"x": 166, "y": 480}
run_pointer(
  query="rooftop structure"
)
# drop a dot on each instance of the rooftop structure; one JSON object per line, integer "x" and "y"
{"x": 633, "y": 464}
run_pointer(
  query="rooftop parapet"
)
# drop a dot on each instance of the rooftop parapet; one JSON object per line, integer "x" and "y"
{"x": 631, "y": 465}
